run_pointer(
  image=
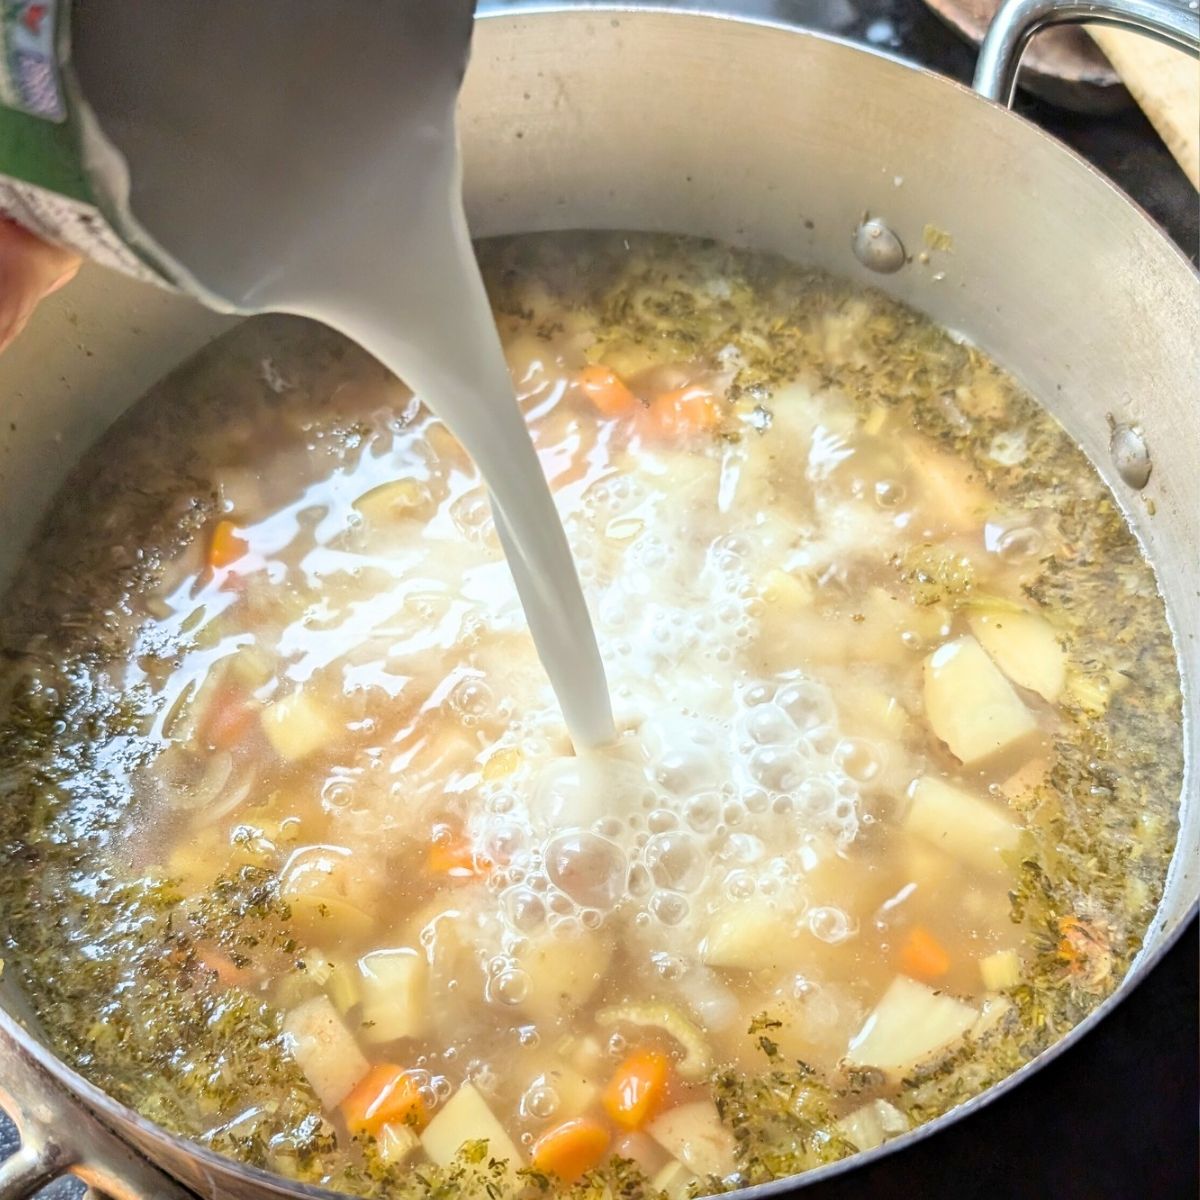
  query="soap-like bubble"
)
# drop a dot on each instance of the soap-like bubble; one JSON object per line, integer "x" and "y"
{"x": 701, "y": 812}
{"x": 740, "y": 885}
{"x": 524, "y": 908}
{"x": 588, "y": 868}
{"x": 756, "y": 801}
{"x": 776, "y": 769}
{"x": 675, "y": 860}
{"x": 669, "y": 907}
{"x": 768, "y": 725}
{"x": 510, "y": 987}
{"x": 823, "y": 739}
{"x": 807, "y": 703}
{"x": 660, "y": 820}
{"x": 540, "y": 1101}
{"x": 830, "y": 925}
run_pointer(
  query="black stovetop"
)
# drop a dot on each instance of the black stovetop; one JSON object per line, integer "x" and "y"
{"x": 1115, "y": 1117}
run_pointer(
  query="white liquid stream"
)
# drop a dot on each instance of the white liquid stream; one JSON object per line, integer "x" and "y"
{"x": 318, "y": 174}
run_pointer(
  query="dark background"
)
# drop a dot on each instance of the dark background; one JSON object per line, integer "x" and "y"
{"x": 1115, "y": 1116}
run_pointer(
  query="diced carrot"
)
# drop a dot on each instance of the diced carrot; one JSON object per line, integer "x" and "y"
{"x": 386, "y": 1095}
{"x": 226, "y": 546}
{"x": 228, "y": 973}
{"x": 451, "y": 853}
{"x": 922, "y": 956}
{"x": 603, "y": 387}
{"x": 680, "y": 413}
{"x": 229, "y": 719}
{"x": 571, "y": 1149}
{"x": 637, "y": 1089}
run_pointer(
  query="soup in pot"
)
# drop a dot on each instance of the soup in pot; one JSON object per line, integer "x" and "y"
{"x": 300, "y": 863}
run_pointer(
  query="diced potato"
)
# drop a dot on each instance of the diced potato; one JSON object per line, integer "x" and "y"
{"x": 395, "y": 996}
{"x": 298, "y": 726}
{"x": 466, "y": 1117}
{"x": 1001, "y": 970}
{"x": 396, "y": 1143}
{"x": 344, "y": 986}
{"x": 886, "y": 619}
{"x": 786, "y": 591}
{"x": 966, "y": 827}
{"x": 1025, "y": 647}
{"x": 693, "y": 1134}
{"x": 971, "y": 706}
{"x": 926, "y": 865}
{"x": 872, "y": 710}
{"x": 563, "y": 973}
{"x": 313, "y": 886}
{"x": 995, "y": 1010}
{"x": 675, "y": 1180}
{"x": 1027, "y": 777}
{"x": 910, "y": 1023}
{"x": 399, "y": 498}
{"x": 293, "y": 989}
{"x": 327, "y": 917}
{"x": 576, "y": 1092}
{"x": 948, "y": 489}
{"x": 748, "y": 936}
{"x": 325, "y": 1050}
{"x": 872, "y": 1124}
{"x": 583, "y": 1053}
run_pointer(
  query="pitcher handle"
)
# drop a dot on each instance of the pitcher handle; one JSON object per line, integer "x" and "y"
{"x": 59, "y": 1137}
{"x": 1016, "y": 21}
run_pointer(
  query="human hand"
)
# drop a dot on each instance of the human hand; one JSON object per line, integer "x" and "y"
{"x": 30, "y": 270}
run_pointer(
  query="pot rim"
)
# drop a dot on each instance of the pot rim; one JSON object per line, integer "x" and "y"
{"x": 116, "y": 1114}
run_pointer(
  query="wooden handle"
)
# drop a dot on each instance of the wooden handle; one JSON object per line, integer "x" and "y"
{"x": 1166, "y": 83}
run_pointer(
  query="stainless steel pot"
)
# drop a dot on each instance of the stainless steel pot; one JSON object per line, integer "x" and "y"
{"x": 766, "y": 137}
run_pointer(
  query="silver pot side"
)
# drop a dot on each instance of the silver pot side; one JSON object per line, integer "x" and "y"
{"x": 782, "y": 141}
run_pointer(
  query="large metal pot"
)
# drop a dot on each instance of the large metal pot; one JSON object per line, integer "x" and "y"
{"x": 770, "y": 138}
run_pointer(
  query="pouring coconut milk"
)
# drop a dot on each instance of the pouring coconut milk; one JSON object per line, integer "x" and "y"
{"x": 301, "y": 157}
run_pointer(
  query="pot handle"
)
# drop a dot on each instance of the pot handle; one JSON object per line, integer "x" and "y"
{"x": 59, "y": 1137}
{"x": 1016, "y": 21}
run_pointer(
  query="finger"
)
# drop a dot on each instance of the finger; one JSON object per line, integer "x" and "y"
{"x": 30, "y": 269}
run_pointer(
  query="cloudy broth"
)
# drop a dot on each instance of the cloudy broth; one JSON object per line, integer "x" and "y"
{"x": 887, "y": 810}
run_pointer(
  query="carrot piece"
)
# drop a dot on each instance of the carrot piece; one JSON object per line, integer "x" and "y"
{"x": 450, "y": 853}
{"x": 637, "y": 1089}
{"x": 386, "y": 1095}
{"x": 228, "y": 973}
{"x": 571, "y": 1149}
{"x": 230, "y": 719}
{"x": 226, "y": 545}
{"x": 603, "y": 387}
{"x": 680, "y": 413}
{"x": 923, "y": 956}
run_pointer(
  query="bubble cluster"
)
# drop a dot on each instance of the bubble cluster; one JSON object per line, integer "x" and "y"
{"x": 686, "y": 812}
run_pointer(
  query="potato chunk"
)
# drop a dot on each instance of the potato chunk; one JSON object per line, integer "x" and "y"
{"x": 466, "y": 1117}
{"x": 970, "y": 829}
{"x": 971, "y": 706}
{"x": 910, "y": 1022}
{"x": 694, "y": 1135}
{"x": 872, "y": 1124}
{"x": 563, "y": 972}
{"x": 324, "y": 1049}
{"x": 1025, "y": 647}
{"x": 748, "y": 936}
{"x": 395, "y": 997}
{"x": 297, "y": 726}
